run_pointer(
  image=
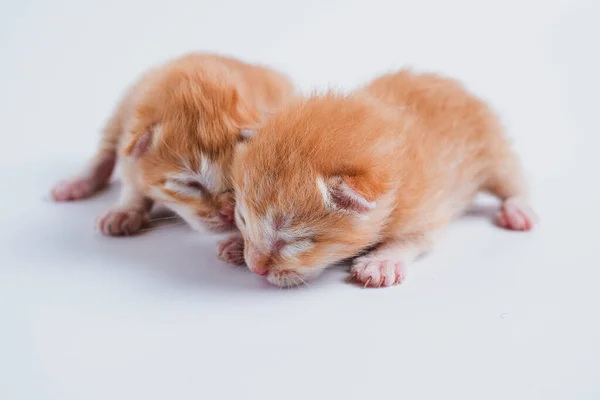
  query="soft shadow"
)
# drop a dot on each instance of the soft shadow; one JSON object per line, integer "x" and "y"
{"x": 480, "y": 210}
{"x": 167, "y": 251}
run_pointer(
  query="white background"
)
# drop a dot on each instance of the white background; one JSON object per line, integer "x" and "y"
{"x": 488, "y": 315}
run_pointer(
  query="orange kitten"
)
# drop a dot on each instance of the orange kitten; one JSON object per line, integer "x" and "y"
{"x": 174, "y": 134}
{"x": 384, "y": 170}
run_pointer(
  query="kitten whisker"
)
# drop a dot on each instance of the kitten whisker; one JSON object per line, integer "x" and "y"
{"x": 302, "y": 280}
{"x": 153, "y": 228}
{"x": 164, "y": 218}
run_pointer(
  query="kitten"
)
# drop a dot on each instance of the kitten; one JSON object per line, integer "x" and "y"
{"x": 174, "y": 134}
{"x": 382, "y": 170}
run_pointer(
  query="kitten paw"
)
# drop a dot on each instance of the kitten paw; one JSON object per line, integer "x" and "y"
{"x": 74, "y": 189}
{"x": 121, "y": 222}
{"x": 515, "y": 215}
{"x": 372, "y": 271}
{"x": 231, "y": 250}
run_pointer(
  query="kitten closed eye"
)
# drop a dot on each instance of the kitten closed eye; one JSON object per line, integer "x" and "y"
{"x": 187, "y": 188}
{"x": 297, "y": 247}
{"x": 196, "y": 185}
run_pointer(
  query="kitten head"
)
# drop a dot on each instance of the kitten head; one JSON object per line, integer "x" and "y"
{"x": 308, "y": 191}
{"x": 187, "y": 123}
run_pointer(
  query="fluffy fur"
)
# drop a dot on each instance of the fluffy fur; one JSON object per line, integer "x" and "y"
{"x": 174, "y": 133}
{"x": 385, "y": 169}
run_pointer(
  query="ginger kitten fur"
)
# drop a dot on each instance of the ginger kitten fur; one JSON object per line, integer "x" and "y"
{"x": 379, "y": 173}
{"x": 174, "y": 134}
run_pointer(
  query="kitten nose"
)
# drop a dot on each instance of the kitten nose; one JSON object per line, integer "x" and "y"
{"x": 260, "y": 270}
{"x": 257, "y": 262}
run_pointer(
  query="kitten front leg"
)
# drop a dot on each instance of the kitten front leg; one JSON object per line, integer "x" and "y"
{"x": 231, "y": 250}
{"x": 129, "y": 215}
{"x": 386, "y": 265}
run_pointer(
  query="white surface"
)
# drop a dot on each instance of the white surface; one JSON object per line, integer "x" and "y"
{"x": 488, "y": 315}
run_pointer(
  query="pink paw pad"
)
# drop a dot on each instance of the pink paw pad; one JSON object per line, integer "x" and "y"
{"x": 231, "y": 250}
{"x": 75, "y": 189}
{"x": 375, "y": 272}
{"x": 121, "y": 223}
{"x": 516, "y": 216}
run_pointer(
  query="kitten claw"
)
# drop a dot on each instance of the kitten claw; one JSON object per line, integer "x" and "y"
{"x": 121, "y": 223}
{"x": 375, "y": 272}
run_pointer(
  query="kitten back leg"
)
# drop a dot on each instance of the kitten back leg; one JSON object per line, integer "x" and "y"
{"x": 88, "y": 182}
{"x": 129, "y": 215}
{"x": 98, "y": 172}
{"x": 507, "y": 182}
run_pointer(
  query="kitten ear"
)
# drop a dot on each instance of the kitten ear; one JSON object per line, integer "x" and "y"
{"x": 141, "y": 142}
{"x": 244, "y": 116}
{"x": 346, "y": 193}
{"x": 247, "y": 133}
{"x": 248, "y": 118}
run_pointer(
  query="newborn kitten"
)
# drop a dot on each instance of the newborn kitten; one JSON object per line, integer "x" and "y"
{"x": 384, "y": 170}
{"x": 174, "y": 134}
